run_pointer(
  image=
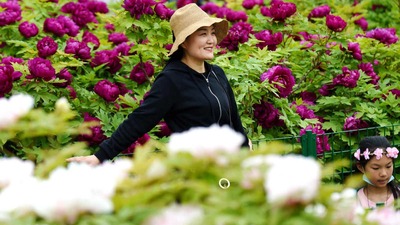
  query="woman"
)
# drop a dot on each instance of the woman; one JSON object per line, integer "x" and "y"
{"x": 189, "y": 92}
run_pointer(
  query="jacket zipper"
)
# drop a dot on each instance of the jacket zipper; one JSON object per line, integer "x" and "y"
{"x": 216, "y": 97}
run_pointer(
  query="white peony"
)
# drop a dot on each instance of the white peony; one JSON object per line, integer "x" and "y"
{"x": 13, "y": 108}
{"x": 14, "y": 169}
{"x": 67, "y": 193}
{"x": 291, "y": 179}
{"x": 206, "y": 142}
{"x": 177, "y": 215}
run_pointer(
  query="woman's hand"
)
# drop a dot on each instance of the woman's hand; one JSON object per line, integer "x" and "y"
{"x": 91, "y": 160}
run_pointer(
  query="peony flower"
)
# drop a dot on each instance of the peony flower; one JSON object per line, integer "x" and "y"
{"x": 368, "y": 69}
{"x": 279, "y": 10}
{"x": 163, "y": 12}
{"x": 238, "y": 33}
{"x": 206, "y": 142}
{"x": 14, "y": 108}
{"x": 9, "y": 61}
{"x": 64, "y": 74}
{"x": 210, "y": 8}
{"x": 69, "y": 25}
{"x": 269, "y": 39}
{"x": 110, "y": 27}
{"x": 335, "y": 23}
{"x": 386, "y": 36}
{"x": 28, "y": 29}
{"x": 348, "y": 78}
{"x": 236, "y": 16}
{"x": 72, "y": 92}
{"x": 308, "y": 97}
{"x": 52, "y": 25}
{"x": 139, "y": 142}
{"x": 305, "y": 112}
{"x": 363, "y": 23}
{"x": 41, "y": 68}
{"x": 137, "y": 8}
{"x": 107, "y": 90}
{"x": 14, "y": 170}
{"x": 117, "y": 38}
{"x": 281, "y": 75}
{"x": 80, "y": 12}
{"x": 354, "y": 123}
{"x": 80, "y": 49}
{"x": 320, "y": 11}
{"x": 6, "y": 79}
{"x": 123, "y": 48}
{"x": 108, "y": 57}
{"x": 141, "y": 72}
{"x": 326, "y": 89}
{"x": 249, "y": 4}
{"x": 10, "y": 13}
{"x": 384, "y": 216}
{"x": 164, "y": 130}
{"x": 46, "y": 47}
{"x": 267, "y": 115}
{"x": 354, "y": 48}
{"x": 97, "y": 134}
{"x": 285, "y": 186}
{"x": 67, "y": 193}
{"x": 177, "y": 215}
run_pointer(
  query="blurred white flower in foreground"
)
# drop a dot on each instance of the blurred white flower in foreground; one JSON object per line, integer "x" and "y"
{"x": 14, "y": 169}
{"x": 346, "y": 207}
{"x": 13, "y": 108}
{"x": 177, "y": 215}
{"x": 291, "y": 179}
{"x": 384, "y": 216}
{"x": 206, "y": 142}
{"x": 67, "y": 193}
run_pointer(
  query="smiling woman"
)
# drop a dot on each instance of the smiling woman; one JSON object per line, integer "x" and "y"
{"x": 188, "y": 93}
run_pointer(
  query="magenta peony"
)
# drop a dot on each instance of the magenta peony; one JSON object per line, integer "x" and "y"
{"x": 64, "y": 74}
{"x": 46, "y": 47}
{"x": 140, "y": 141}
{"x": 269, "y": 39}
{"x": 354, "y": 48}
{"x": 320, "y": 11}
{"x": 10, "y": 12}
{"x": 108, "y": 57}
{"x": 80, "y": 49}
{"x": 141, "y": 72}
{"x": 386, "y": 36}
{"x": 117, "y": 38}
{"x": 368, "y": 69}
{"x": 335, "y": 23}
{"x": 6, "y": 79}
{"x": 163, "y": 12}
{"x": 238, "y": 33}
{"x": 354, "y": 123}
{"x": 279, "y": 10}
{"x": 28, "y": 29}
{"x": 97, "y": 134}
{"x": 267, "y": 115}
{"x": 283, "y": 76}
{"x": 137, "y": 8}
{"x": 41, "y": 68}
{"x": 107, "y": 90}
{"x": 348, "y": 78}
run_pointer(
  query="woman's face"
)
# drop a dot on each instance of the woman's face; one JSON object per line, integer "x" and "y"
{"x": 200, "y": 45}
{"x": 379, "y": 171}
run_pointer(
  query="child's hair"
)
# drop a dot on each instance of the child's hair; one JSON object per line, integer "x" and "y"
{"x": 371, "y": 143}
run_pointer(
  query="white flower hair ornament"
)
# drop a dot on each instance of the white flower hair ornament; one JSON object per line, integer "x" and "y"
{"x": 390, "y": 152}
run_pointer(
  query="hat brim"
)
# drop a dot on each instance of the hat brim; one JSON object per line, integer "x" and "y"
{"x": 221, "y": 30}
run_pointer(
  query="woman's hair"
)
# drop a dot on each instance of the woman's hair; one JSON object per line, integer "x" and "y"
{"x": 371, "y": 143}
{"x": 178, "y": 54}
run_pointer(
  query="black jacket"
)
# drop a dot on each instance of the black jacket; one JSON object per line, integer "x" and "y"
{"x": 182, "y": 97}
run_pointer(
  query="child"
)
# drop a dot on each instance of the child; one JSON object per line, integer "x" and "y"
{"x": 375, "y": 159}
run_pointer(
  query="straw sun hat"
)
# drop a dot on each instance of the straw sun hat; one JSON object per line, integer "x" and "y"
{"x": 187, "y": 19}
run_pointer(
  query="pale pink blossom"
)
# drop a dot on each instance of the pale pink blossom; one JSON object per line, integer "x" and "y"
{"x": 177, "y": 215}
{"x": 378, "y": 153}
{"x": 366, "y": 154}
{"x": 14, "y": 108}
{"x": 392, "y": 152}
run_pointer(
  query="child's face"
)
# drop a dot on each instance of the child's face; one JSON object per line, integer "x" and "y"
{"x": 379, "y": 171}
